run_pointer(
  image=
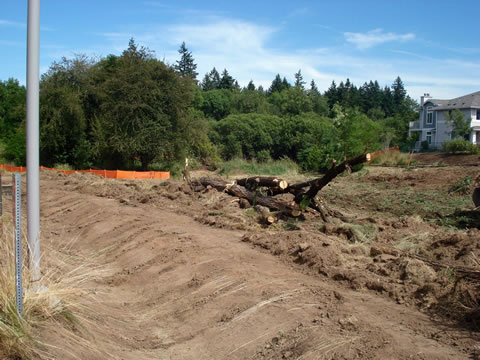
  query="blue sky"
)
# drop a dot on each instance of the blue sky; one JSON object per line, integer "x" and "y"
{"x": 434, "y": 46}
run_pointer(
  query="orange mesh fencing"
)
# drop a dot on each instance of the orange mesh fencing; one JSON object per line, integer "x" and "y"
{"x": 110, "y": 174}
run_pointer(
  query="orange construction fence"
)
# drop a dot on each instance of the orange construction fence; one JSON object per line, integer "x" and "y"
{"x": 380, "y": 152}
{"x": 111, "y": 174}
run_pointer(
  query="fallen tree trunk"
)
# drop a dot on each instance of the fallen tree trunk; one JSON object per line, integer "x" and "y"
{"x": 254, "y": 182}
{"x": 317, "y": 184}
{"x": 252, "y": 197}
{"x": 267, "y": 201}
{"x": 303, "y": 198}
{"x": 218, "y": 184}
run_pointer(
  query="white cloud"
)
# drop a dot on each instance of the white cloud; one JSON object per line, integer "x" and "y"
{"x": 246, "y": 50}
{"x": 375, "y": 37}
{"x": 223, "y": 35}
{"x": 17, "y": 24}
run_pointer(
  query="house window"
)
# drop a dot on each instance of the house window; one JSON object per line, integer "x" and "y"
{"x": 429, "y": 115}
{"x": 429, "y": 137}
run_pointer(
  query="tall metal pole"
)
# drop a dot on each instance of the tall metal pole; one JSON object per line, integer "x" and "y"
{"x": 33, "y": 183}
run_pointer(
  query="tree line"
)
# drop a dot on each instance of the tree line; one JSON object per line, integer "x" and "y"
{"x": 133, "y": 111}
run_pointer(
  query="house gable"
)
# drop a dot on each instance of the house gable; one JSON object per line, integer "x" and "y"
{"x": 433, "y": 124}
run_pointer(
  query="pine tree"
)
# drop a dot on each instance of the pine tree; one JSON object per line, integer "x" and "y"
{"x": 251, "y": 85}
{"x": 215, "y": 78}
{"x": 211, "y": 80}
{"x": 186, "y": 66}
{"x": 387, "y": 102}
{"x": 285, "y": 84}
{"x": 226, "y": 81}
{"x": 276, "y": 85}
{"x": 299, "y": 79}
{"x": 399, "y": 94}
{"x": 207, "y": 83}
{"x": 313, "y": 88}
{"x": 332, "y": 94}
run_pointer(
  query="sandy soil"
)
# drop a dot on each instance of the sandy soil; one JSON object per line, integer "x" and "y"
{"x": 192, "y": 276}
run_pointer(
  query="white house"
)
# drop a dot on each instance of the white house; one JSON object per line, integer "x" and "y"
{"x": 433, "y": 126}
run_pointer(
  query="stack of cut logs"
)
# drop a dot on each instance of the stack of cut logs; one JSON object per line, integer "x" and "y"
{"x": 247, "y": 190}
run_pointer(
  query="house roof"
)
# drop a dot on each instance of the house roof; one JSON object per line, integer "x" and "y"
{"x": 463, "y": 102}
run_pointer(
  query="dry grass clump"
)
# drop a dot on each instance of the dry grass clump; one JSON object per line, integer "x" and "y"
{"x": 396, "y": 158}
{"x": 52, "y": 300}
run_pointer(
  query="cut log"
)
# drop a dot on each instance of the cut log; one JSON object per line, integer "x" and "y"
{"x": 303, "y": 198}
{"x": 218, "y": 184}
{"x": 267, "y": 201}
{"x": 254, "y": 182}
{"x": 244, "y": 204}
{"x": 265, "y": 216}
{"x": 252, "y": 197}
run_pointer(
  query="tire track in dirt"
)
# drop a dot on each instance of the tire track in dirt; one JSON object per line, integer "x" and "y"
{"x": 176, "y": 289}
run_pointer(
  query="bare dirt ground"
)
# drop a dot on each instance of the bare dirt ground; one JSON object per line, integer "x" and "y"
{"x": 447, "y": 159}
{"x": 193, "y": 276}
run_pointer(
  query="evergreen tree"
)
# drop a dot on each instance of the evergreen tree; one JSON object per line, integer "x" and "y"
{"x": 251, "y": 85}
{"x": 211, "y": 80}
{"x": 276, "y": 85}
{"x": 332, "y": 94}
{"x": 186, "y": 66}
{"x": 299, "y": 79}
{"x": 313, "y": 88}
{"x": 226, "y": 81}
{"x": 387, "y": 102}
{"x": 285, "y": 84}
{"x": 399, "y": 93}
{"x": 207, "y": 83}
{"x": 215, "y": 78}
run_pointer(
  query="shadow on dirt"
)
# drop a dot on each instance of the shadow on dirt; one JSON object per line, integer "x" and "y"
{"x": 463, "y": 219}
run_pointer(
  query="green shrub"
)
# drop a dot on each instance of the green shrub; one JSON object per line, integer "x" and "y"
{"x": 314, "y": 158}
{"x": 15, "y": 148}
{"x": 458, "y": 146}
{"x": 263, "y": 156}
{"x": 424, "y": 145}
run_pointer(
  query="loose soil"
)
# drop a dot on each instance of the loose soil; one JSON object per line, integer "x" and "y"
{"x": 193, "y": 276}
{"x": 436, "y": 158}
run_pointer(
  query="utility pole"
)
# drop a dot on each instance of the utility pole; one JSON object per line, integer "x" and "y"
{"x": 33, "y": 143}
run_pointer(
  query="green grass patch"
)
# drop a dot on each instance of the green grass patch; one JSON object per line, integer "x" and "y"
{"x": 253, "y": 167}
{"x": 63, "y": 166}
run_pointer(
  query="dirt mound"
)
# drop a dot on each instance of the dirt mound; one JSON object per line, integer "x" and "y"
{"x": 191, "y": 275}
{"x": 446, "y": 159}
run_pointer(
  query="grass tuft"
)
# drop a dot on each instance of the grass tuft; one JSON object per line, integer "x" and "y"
{"x": 52, "y": 300}
{"x": 252, "y": 167}
{"x": 395, "y": 158}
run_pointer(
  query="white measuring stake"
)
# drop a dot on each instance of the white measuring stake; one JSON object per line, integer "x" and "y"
{"x": 17, "y": 223}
